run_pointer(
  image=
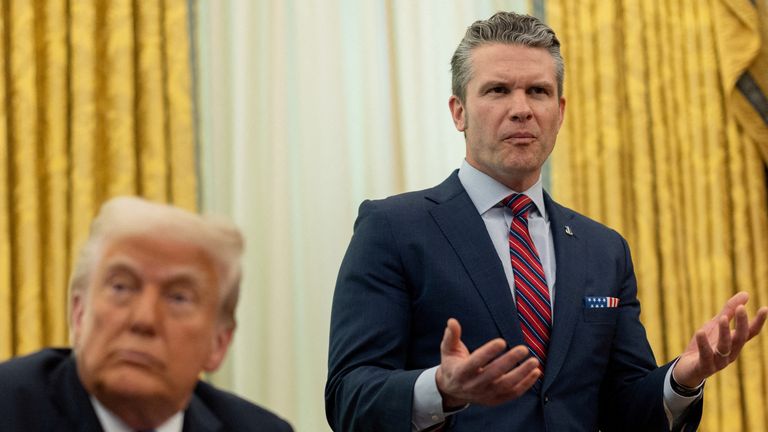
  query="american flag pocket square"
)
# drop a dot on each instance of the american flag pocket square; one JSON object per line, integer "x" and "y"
{"x": 600, "y": 302}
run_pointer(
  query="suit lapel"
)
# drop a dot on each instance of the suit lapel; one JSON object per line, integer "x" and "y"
{"x": 570, "y": 249}
{"x": 465, "y": 230}
{"x": 68, "y": 394}
{"x": 198, "y": 418}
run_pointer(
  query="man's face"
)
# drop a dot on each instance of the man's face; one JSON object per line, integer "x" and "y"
{"x": 511, "y": 113}
{"x": 148, "y": 324}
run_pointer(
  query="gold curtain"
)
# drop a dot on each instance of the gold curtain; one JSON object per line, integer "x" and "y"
{"x": 98, "y": 102}
{"x": 741, "y": 29}
{"x": 652, "y": 147}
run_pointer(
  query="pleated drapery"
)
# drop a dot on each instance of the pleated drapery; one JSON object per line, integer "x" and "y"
{"x": 741, "y": 30}
{"x": 97, "y": 103}
{"x": 653, "y": 147}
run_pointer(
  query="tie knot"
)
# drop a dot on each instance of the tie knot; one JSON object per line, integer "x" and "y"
{"x": 519, "y": 204}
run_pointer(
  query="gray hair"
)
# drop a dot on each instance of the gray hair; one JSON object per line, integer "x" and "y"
{"x": 508, "y": 28}
{"x": 130, "y": 216}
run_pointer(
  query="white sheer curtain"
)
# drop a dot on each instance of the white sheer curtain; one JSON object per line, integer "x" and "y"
{"x": 305, "y": 108}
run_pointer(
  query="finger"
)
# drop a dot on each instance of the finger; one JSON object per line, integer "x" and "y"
{"x": 519, "y": 372}
{"x": 518, "y": 380}
{"x": 702, "y": 342}
{"x": 740, "y": 333}
{"x": 757, "y": 323}
{"x": 729, "y": 309}
{"x": 723, "y": 337}
{"x": 451, "y": 337}
{"x": 454, "y": 328}
{"x": 713, "y": 360}
{"x": 706, "y": 355}
{"x": 500, "y": 366}
{"x": 528, "y": 381}
{"x": 480, "y": 358}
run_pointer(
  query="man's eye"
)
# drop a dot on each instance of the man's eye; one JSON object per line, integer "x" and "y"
{"x": 120, "y": 285}
{"x": 501, "y": 90}
{"x": 180, "y": 297}
{"x": 538, "y": 90}
{"x": 121, "y": 288}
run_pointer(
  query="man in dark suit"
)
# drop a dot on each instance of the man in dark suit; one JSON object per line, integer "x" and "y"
{"x": 436, "y": 285}
{"x": 152, "y": 302}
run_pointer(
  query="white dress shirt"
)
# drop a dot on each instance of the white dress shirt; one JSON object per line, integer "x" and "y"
{"x": 112, "y": 423}
{"x": 486, "y": 193}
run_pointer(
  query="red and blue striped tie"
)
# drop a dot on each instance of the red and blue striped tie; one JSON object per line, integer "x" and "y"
{"x": 531, "y": 293}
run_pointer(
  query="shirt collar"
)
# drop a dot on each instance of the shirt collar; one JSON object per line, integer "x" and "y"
{"x": 112, "y": 423}
{"x": 485, "y": 192}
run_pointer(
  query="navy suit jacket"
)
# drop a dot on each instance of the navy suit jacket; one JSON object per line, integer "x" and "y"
{"x": 42, "y": 393}
{"x": 419, "y": 258}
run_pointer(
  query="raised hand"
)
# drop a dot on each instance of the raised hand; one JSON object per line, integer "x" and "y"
{"x": 715, "y": 345}
{"x": 485, "y": 376}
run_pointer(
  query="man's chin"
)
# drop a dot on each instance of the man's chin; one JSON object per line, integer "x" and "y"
{"x": 139, "y": 400}
{"x": 131, "y": 382}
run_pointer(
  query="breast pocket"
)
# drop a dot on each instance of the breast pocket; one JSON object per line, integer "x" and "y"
{"x": 601, "y": 315}
{"x": 596, "y": 332}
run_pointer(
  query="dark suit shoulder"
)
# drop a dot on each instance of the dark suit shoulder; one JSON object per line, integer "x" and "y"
{"x": 32, "y": 371}
{"x": 33, "y": 389}
{"x": 404, "y": 201}
{"x": 237, "y": 413}
{"x": 414, "y": 203}
{"x": 569, "y": 216}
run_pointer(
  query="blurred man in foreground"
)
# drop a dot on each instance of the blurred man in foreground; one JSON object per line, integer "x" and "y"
{"x": 152, "y": 301}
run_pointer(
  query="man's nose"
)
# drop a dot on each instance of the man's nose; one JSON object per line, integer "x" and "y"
{"x": 146, "y": 312}
{"x": 519, "y": 108}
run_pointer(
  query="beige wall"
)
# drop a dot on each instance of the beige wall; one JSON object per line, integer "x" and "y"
{"x": 306, "y": 108}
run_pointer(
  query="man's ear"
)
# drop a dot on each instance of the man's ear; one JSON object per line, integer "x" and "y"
{"x": 76, "y": 320}
{"x": 221, "y": 341}
{"x": 458, "y": 113}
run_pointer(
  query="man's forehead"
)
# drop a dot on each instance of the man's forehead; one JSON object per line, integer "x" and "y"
{"x": 155, "y": 239}
{"x": 510, "y": 47}
{"x": 165, "y": 256}
{"x": 501, "y": 60}
{"x": 119, "y": 262}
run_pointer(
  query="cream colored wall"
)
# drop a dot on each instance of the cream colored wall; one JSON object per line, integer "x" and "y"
{"x": 306, "y": 108}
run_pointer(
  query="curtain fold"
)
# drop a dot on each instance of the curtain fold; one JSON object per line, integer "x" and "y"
{"x": 653, "y": 146}
{"x": 97, "y": 103}
{"x": 741, "y": 34}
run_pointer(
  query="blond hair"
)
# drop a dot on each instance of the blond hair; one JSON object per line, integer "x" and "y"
{"x": 132, "y": 216}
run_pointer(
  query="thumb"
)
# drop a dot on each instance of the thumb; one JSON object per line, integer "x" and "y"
{"x": 451, "y": 337}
